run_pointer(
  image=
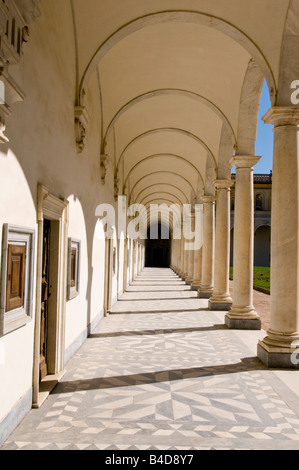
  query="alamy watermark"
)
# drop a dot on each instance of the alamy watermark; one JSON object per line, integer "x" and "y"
{"x": 2, "y": 92}
{"x": 138, "y": 222}
{"x": 295, "y": 94}
{"x": 295, "y": 354}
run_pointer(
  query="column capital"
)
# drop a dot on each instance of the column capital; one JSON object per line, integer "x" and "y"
{"x": 223, "y": 184}
{"x": 245, "y": 161}
{"x": 282, "y": 116}
{"x": 208, "y": 199}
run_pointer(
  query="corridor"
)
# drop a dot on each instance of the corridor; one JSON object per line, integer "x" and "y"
{"x": 161, "y": 372}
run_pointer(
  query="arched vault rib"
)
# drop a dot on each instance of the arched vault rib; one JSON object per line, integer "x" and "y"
{"x": 167, "y": 92}
{"x": 161, "y": 172}
{"x": 151, "y": 186}
{"x": 194, "y": 17}
{"x": 166, "y": 129}
{"x": 161, "y": 155}
{"x": 162, "y": 193}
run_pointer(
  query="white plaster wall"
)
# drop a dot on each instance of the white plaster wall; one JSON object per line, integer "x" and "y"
{"x": 16, "y": 349}
{"x": 42, "y": 150}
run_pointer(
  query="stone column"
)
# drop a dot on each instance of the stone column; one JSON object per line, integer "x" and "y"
{"x": 177, "y": 255}
{"x": 186, "y": 262}
{"x": 135, "y": 258}
{"x": 143, "y": 257}
{"x": 181, "y": 271}
{"x": 173, "y": 255}
{"x": 221, "y": 299}
{"x": 243, "y": 314}
{"x": 190, "y": 270}
{"x": 278, "y": 349}
{"x": 195, "y": 286}
{"x": 208, "y": 250}
{"x": 131, "y": 272}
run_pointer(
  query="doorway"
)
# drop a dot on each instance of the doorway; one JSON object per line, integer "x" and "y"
{"x": 45, "y": 300}
{"x": 158, "y": 249}
{"x": 49, "y": 338}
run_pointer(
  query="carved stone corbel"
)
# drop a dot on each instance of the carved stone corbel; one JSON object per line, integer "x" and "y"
{"x": 12, "y": 93}
{"x": 104, "y": 161}
{"x": 116, "y": 187}
{"x": 81, "y": 121}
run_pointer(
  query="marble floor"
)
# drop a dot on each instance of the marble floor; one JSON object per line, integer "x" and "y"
{"x": 164, "y": 373}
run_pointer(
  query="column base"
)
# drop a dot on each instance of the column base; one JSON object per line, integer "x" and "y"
{"x": 188, "y": 281}
{"x": 205, "y": 292}
{"x": 279, "y": 350}
{"x": 235, "y": 320}
{"x": 220, "y": 303}
{"x": 276, "y": 358}
{"x": 195, "y": 286}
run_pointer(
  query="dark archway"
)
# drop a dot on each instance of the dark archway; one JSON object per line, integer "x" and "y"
{"x": 262, "y": 246}
{"x": 158, "y": 246}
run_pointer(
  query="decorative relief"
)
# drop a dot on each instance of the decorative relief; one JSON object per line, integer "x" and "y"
{"x": 81, "y": 121}
{"x": 15, "y": 15}
{"x": 104, "y": 161}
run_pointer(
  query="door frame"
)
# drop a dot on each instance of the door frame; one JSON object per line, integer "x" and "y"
{"x": 108, "y": 276}
{"x": 56, "y": 210}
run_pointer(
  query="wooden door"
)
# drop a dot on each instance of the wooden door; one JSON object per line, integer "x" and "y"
{"x": 16, "y": 264}
{"x": 45, "y": 298}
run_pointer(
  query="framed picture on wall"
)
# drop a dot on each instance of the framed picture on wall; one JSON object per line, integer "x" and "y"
{"x": 17, "y": 278}
{"x": 74, "y": 264}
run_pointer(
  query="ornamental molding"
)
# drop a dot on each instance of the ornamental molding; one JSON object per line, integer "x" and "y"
{"x": 15, "y": 16}
{"x": 280, "y": 116}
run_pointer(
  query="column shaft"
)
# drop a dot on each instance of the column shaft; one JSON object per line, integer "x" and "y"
{"x": 208, "y": 251}
{"x": 190, "y": 276}
{"x": 221, "y": 299}
{"x": 243, "y": 314}
{"x": 278, "y": 348}
{"x": 195, "y": 286}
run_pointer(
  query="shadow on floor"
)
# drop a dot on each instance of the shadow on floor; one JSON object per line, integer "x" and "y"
{"x": 158, "y": 311}
{"x": 157, "y": 298}
{"x": 167, "y": 331}
{"x": 246, "y": 365}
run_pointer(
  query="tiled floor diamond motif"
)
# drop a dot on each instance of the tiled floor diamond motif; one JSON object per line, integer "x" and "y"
{"x": 173, "y": 378}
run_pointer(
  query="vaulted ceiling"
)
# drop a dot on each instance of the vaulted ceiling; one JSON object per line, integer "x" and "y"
{"x": 177, "y": 80}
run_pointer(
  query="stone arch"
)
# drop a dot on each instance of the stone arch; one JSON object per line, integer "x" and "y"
{"x": 249, "y": 110}
{"x": 162, "y": 193}
{"x": 167, "y": 185}
{"x": 165, "y": 129}
{"x": 289, "y": 63}
{"x": 165, "y": 92}
{"x": 161, "y": 155}
{"x": 193, "y": 190}
{"x": 178, "y": 16}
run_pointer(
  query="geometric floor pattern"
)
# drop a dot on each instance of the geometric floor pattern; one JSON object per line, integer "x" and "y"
{"x": 164, "y": 373}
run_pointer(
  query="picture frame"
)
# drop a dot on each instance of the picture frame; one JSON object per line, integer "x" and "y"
{"x": 17, "y": 278}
